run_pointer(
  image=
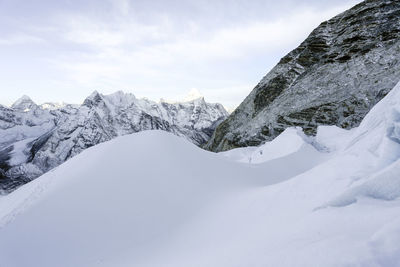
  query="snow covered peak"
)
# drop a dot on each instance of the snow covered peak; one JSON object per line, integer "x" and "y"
{"x": 24, "y": 103}
{"x": 197, "y": 101}
{"x": 93, "y": 99}
{"x": 53, "y": 105}
{"x": 120, "y": 99}
{"x": 193, "y": 95}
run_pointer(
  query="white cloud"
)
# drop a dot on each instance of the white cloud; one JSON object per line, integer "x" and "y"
{"x": 19, "y": 39}
{"x": 124, "y": 47}
{"x": 118, "y": 32}
{"x": 121, "y": 6}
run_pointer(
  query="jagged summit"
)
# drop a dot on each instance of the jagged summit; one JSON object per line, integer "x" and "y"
{"x": 121, "y": 98}
{"x": 53, "y": 105}
{"x": 24, "y": 103}
{"x": 93, "y": 99}
{"x": 93, "y": 94}
{"x": 344, "y": 67}
{"x": 193, "y": 95}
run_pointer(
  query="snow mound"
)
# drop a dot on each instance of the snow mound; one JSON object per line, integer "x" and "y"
{"x": 379, "y": 132}
{"x": 332, "y": 138}
{"x": 289, "y": 141}
{"x": 377, "y": 141}
{"x": 286, "y": 143}
{"x": 122, "y": 190}
{"x": 383, "y": 185}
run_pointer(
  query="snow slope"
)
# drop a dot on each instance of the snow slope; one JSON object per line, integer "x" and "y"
{"x": 153, "y": 199}
{"x": 290, "y": 141}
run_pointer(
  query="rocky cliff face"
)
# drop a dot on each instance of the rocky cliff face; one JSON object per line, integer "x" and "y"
{"x": 34, "y": 139}
{"x": 334, "y": 77}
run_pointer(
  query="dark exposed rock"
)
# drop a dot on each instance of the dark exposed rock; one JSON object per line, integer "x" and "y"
{"x": 344, "y": 67}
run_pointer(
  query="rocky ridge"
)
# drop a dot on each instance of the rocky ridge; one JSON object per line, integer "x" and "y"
{"x": 344, "y": 67}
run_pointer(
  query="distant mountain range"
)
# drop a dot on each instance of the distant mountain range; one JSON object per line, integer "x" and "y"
{"x": 344, "y": 67}
{"x": 36, "y": 138}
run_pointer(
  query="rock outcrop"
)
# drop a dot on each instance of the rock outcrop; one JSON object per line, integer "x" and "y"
{"x": 344, "y": 67}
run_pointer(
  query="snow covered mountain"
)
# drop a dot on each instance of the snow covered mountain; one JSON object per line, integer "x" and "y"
{"x": 329, "y": 200}
{"x": 34, "y": 139}
{"x": 344, "y": 67}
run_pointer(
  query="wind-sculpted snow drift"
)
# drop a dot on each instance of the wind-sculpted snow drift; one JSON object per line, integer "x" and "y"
{"x": 153, "y": 199}
{"x": 35, "y": 139}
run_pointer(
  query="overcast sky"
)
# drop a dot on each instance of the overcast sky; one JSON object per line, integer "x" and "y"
{"x": 63, "y": 50}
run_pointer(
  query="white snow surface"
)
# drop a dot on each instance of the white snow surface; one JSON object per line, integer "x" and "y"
{"x": 154, "y": 199}
{"x": 288, "y": 142}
